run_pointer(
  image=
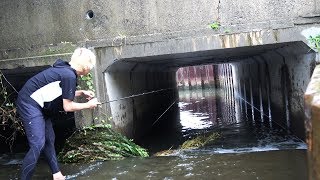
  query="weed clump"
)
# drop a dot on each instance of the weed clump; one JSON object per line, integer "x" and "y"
{"x": 194, "y": 143}
{"x": 99, "y": 143}
{"x": 200, "y": 141}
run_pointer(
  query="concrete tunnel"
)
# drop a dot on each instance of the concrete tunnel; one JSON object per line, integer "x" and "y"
{"x": 260, "y": 52}
{"x": 266, "y": 81}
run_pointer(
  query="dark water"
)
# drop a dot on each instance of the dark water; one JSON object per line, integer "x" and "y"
{"x": 246, "y": 150}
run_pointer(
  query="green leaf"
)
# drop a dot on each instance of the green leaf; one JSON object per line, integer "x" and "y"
{"x": 215, "y": 25}
{"x": 88, "y": 83}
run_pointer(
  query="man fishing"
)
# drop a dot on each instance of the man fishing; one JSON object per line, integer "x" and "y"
{"x": 45, "y": 94}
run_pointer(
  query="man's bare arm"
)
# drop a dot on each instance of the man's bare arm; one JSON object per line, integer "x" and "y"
{"x": 71, "y": 106}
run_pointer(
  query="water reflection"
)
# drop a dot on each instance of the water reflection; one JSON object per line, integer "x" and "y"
{"x": 246, "y": 149}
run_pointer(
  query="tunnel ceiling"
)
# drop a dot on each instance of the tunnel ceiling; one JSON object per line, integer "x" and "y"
{"x": 216, "y": 56}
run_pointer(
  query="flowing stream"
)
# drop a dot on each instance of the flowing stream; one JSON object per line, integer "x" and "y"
{"x": 245, "y": 150}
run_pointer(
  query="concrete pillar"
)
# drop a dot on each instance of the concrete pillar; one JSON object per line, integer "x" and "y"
{"x": 312, "y": 124}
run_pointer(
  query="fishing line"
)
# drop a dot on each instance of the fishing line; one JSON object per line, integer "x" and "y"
{"x": 269, "y": 117}
{"x": 142, "y": 94}
{"x": 150, "y": 92}
{"x": 135, "y": 95}
{"x": 127, "y": 97}
{"x": 164, "y": 112}
{"x": 253, "y": 106}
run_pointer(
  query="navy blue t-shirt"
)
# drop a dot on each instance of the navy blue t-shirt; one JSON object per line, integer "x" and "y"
{"x": 48, "y": 88}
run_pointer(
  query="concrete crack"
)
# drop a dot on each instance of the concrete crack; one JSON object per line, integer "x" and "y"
{"x": 218, "y": 8}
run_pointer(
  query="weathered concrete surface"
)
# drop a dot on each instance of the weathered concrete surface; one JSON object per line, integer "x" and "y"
{"x": 132, "y": 116}
{"x": 199, "y": 48}
{"x": 139, "y": 44}
{"x": 274, "y": 82}
{"x": 312, "y": 122}
{"x": 27, "y": 26}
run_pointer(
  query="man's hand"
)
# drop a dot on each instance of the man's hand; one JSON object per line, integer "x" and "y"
{"x": 88, "y": 94}
{"x": 93, "y": 103}
{"x": 70, "y": 106}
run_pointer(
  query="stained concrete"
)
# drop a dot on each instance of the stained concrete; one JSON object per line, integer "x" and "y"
{"x": 277, "y": 80}
{"x": 27, "y": 27}
{"x": 140, "y": 44}
{"x": 261, "y": 51}
{"x": 133, "y": 116}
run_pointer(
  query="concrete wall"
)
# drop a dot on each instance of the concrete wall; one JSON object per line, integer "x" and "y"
{"x": 154, "y": 89}
{"x": 34, "y": 27}
{"x": 149, "y": 39}
{"x": 277, "y": 79}
{"x": 227, "y": 108}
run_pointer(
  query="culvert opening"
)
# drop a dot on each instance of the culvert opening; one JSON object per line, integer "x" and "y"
{"x": 226, "y": 120}
{"x": 246, "y": 71}
{"x": 245, "y": 96}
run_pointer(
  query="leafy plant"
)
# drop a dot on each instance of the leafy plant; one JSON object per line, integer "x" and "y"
{"x": 200, "y": 141}
{"x": 86, "y": 82}
{"x": 99, "y": 143}
{"x": 315, "y": 42}
{"x": 215, "y": 25}
{"x": 197, "y": 142}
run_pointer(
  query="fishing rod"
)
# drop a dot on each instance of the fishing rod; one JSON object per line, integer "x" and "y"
{"x": 135, "y": 95}
{"x": 127, "y": 97}
{"x": 105, "y": 102}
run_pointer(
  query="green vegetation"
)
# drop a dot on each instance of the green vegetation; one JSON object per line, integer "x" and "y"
{"x": 215, "y": 25}
{"x": 99, "y": 143}
{"x": 200, "y": 141}
{"x": 8, "y": 115}
{"x": 197, "y": 142}
{"x": 315, "y": 42}
{"x": 86, "y": 82}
